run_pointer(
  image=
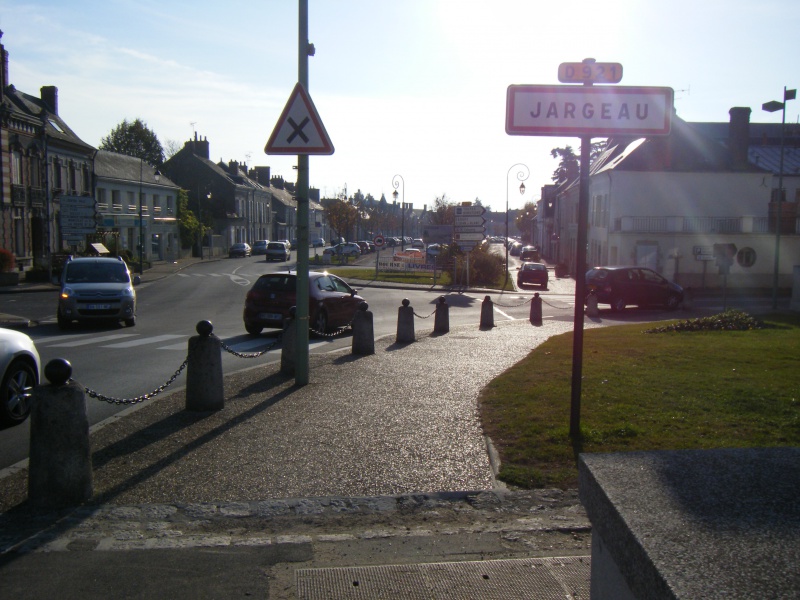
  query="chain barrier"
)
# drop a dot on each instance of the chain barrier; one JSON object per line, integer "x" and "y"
{"x": 513, "y": 305}
{"x": 238, "y": 354}
{"x": 333, "y": 334}
{"x": 567, "y": 307}
{"x": 428, "y": 317}
{"x": 97, "y": 396}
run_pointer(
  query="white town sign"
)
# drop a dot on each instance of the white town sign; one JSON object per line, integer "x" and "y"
{"x": 568, "y": 110}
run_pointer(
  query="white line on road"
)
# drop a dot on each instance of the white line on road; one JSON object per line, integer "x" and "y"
{"x": 97, "y": 340}
{"x": 150, "y": 340}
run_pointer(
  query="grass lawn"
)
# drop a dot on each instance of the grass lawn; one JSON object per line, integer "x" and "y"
{"x": 410, "y": 277}
{"x": 645, "y": 391}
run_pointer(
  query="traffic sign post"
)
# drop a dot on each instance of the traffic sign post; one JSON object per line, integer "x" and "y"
{"x": 586, "y": 111}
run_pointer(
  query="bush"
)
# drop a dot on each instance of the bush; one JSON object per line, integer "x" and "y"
{"x": 7, "y": 261}
{"x": 730, "y": 320}
{"x": 485, "y": 268}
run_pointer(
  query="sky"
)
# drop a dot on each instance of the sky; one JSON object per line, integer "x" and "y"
{"x": 410, "y": 88}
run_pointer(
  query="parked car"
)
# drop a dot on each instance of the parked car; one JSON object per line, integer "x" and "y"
{"x": 332, "y": 303}
{"x": 529, "y": 254}
{"x": 418, "y": 243}
{"x": 347, "y": 249}
{"x": 288, "y": 243}
{"x": 625, "y": 286}
{"x": 531, "y": 273}
{"x": 515, "y": 248}
{"x": 240, "y": 249}
{"x": 433, "y": 250}
{"x": 21, "y": 369}
{"x": 278, "y": 251}
{"x": 364, "y": 245}
{"x": 318, "y": 243}
{"x": 95, "y": 289}
{"x": 259, "y": 247}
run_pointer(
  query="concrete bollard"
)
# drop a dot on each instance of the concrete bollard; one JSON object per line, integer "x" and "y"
{"x": 289, "y": 344}
{"x": 363, "y": 331}
{"x": 688, "y": 299}
{"x": 591, "y": 306}
{"x": 536, "y": 309}
{"x": 441, "y": 320}
{"x": 405, "y": 323}
{"x": 487, "y": 313}
{"x": 204, "y": 386}
{"x": 60, "y": 464}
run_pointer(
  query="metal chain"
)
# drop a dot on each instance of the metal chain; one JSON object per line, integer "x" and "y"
{"x": 237, "y": 354}
{"x": 513, "y": 305}
{"x": 93, "y": 394}
{"x": 567, "y": 307}
{"x": 421, "y": 317}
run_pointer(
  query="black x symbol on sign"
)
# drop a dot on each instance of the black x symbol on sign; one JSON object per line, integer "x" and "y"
{"x": 298, "y": 130}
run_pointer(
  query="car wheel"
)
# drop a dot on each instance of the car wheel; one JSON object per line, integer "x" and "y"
{"x": 618, "y": 304}
{"x": 672, "y": 302}
{"x": 130, "y": 322}
{"x": 253, "y": 329}
{"x": 321, "y": 322}
{"x": 63, "y": 322}
{"x": 16, "y": 392}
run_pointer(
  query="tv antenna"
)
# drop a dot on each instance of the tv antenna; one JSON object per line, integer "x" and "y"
{"x": 193, "y": 123}
{"x": 688, "y": 91}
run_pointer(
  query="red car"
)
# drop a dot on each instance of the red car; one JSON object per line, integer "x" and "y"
{"x": 532, "y": 274}
{"x": 331, "y": 302}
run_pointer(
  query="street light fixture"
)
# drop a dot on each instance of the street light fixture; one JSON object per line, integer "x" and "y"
{"x": 396, "y": 180}
{"x": 521, "y": 175}
{"x": 774, "y": 106}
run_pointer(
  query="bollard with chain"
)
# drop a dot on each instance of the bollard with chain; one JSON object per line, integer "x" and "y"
{"x": 204, "y": 384}
{"x": 60, "y": 464}
{"x": 289, "y": 344}
{"x": 487, "y": 313}
{"x": 363, "y": 331}
{"x": 405, "y": 323}
{"x": 536, "y": 309}
{"x": 441, "y": 322}
{"x": 591, "y": 305}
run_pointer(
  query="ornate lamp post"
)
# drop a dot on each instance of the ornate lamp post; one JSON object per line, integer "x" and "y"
{"x": 521, "y": 175}
{"x": 773, "y": 106}
{"x": 396, "y": 181}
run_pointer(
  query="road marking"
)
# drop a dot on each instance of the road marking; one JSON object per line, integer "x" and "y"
{"x": 57, "y": 338}
{"x": 98, "y": 340}
{"x": 507, "y": 316}
{"x": 144, "y": 341}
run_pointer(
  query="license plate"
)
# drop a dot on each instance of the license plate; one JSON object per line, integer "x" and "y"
{"x": 98, "y": 306}
{"x": 270, "y": 316}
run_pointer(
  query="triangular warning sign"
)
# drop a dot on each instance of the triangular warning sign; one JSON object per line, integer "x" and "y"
{"x": 299, "y": 129}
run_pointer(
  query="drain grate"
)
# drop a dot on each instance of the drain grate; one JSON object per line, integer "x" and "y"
{"x": 539, "y": 578}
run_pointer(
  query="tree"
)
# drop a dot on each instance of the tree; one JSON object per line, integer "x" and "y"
{"x": 341, "y": 216}
{"x": 134, "y": 139}
{"x": 190, "y": 227}
{"x": 443, "y": 211}
{"x": 525, "y": 217}
{"x": 569, "y": 166}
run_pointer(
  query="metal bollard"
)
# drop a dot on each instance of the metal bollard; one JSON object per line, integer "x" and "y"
{"x": 363, "y": 331}
{"x": 487, "y": 313}
{"x": 60, "y": 464}
{"x": 591, "y": 305}
{"x": 204, "y": 385}
{"x": 441, "y": 321}
{"x": 536, "y": 309}
{"x": 289, "y": 343}
{"x": 688, "y": 299}
{"x": 405, "y": 323}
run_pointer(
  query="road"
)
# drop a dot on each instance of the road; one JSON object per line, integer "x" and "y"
{"x": 126, "y": 363}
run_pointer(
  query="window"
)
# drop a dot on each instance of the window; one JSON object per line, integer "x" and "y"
{"x": 73, "y": 177}
{"x": 36, "y": 172}
{"x": 85, "y": 179}
{"x": 57, "y": 175}
{"x": 16, "y": 167}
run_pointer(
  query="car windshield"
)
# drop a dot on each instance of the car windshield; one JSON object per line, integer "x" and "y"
{"x": 97, "y": 273}
{"x": 533, "y": 267}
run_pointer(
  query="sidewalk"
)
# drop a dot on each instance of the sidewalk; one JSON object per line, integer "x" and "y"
{"x": 374, "y": 480}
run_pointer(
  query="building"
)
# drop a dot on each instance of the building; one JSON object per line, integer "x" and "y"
{"x": 43, "y": 163}
{"x": 665, "y": 202}
{"x": 133, "y": 198}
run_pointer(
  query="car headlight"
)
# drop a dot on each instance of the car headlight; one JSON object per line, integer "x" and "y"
{"x": 67, "y": 292}
{"x": 128, "y": 292}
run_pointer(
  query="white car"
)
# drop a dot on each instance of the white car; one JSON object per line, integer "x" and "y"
{"x": 347, "y": 249}
{"x": 21, "y": 370}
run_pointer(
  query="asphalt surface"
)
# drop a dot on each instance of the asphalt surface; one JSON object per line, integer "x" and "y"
{"x": 374, "y": 480}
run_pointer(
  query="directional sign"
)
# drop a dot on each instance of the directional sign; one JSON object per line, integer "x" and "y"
{"x": 469, "y": 222}
{"x": 299, "y": 129}
{"x": 468, "y": 229}
{"x": 473, "y": 237}
{"x": 565, "y": 110}
{"x": 469, "y": 211}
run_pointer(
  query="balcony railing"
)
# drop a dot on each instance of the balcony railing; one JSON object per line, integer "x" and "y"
{"x": 702, "y": 225}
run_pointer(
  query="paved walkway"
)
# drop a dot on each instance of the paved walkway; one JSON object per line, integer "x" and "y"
{"x": 317, "y": 491}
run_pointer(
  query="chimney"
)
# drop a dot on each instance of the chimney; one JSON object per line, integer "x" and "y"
{"x": 49, "y": 94}
{"x": 233, "y": 168}
{"x": 199, "y": 147}
{"x": 739, "y": 135}
{"x": 262, "y": 175}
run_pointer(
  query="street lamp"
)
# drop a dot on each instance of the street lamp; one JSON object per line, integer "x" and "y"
{"x": 521, "y": 175}
{"x": 156, "y": 177}
{"x": 396, "y": 180}
{"x": 773, "y": 106}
